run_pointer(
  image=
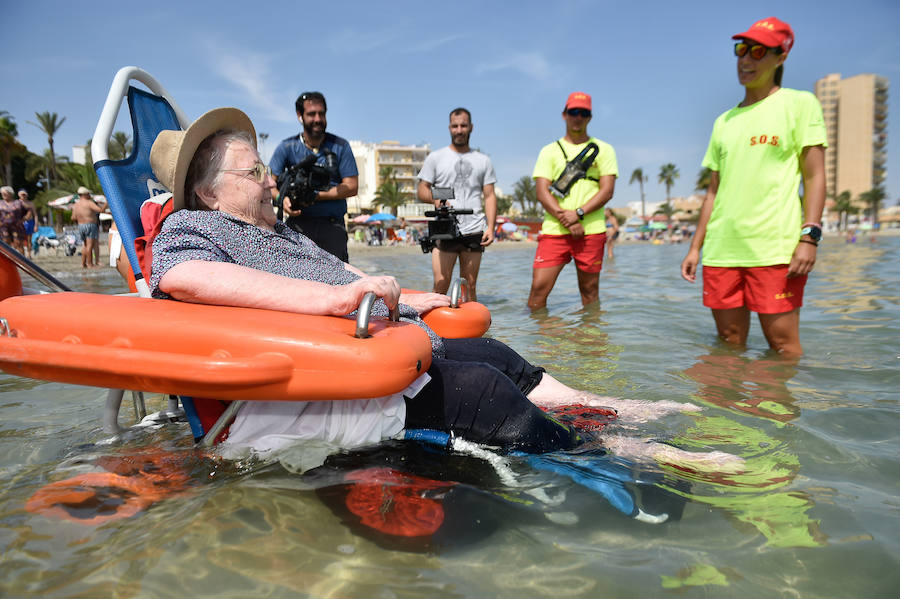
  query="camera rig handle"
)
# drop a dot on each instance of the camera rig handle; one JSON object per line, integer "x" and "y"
{"x": 364, "y": 314}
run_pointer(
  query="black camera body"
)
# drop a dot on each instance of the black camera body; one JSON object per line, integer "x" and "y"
{"x": 301, "y": 181}
{"x": 444, "y": 225}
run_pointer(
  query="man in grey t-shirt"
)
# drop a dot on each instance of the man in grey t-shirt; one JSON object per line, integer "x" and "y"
{"x": 471, "y": 175}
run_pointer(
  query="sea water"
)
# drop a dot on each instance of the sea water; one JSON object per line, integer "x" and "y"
{"x": 814, "y": 512}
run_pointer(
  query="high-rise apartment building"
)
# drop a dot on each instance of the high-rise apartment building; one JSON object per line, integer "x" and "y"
{"x": 855, "y": 111}
{"x": 371, "y": 158}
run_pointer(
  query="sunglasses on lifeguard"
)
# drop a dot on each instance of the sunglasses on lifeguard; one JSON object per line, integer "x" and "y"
{"x": 578, "y": 112}
{"x": 757, "y": 51}
{"x": 260, "y": 171}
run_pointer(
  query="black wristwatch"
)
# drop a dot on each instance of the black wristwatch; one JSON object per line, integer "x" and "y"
{"x": 814, "y": 232}
{"x": 580, "y": 213}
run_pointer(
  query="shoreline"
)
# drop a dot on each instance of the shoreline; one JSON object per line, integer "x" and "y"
{"x": 53, "y": 260}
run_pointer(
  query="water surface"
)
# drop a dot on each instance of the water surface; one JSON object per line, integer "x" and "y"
{"x": 813, "y": 514}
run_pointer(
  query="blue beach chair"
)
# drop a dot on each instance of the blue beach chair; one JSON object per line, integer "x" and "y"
{"x": 130, "y": 181}
{"x": 127, "y": 183}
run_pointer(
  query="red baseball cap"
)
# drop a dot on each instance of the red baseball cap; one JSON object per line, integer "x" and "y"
{"x": 769, "y": 32}
{"x": 578, "y": 100}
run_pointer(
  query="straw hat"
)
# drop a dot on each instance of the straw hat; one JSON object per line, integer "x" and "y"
{"x": 84, "y": 191}
{"x": 173, "y": 151}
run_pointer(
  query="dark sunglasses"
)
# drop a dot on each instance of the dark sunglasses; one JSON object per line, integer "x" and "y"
{"x": 757, "y": 51}
{"x": 579, "y": 112}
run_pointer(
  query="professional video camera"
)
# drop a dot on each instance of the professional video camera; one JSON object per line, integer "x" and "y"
{"x": 301, "y": 181}
{"x": 444, "y": 226}
{"x": 575, "y": 169}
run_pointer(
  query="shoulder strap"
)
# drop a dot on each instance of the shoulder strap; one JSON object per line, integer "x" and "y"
{"x": 562, "y": 150}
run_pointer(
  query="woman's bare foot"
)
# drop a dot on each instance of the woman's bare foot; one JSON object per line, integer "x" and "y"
{"x": 637, "y": 449}
{"x": 551, "y": 393}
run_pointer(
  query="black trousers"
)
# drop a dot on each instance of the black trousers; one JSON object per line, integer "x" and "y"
{"x": 478, "y": 392}
{"x": 328, "y": 233}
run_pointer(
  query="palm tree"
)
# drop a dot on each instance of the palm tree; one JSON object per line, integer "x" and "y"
{"x": 525, "y": 195}
{"x": 667, "y": 210}
{"x": 639, "y": 176}
{"x": 704, "y": 179}
{"x": 667, "y": 174}
{"x": 843, "y": 205}
{"x": 388, "y": 192}
{"x": 9, "y": 145}
{"x": 49, "y": 123}
{"x": 872, "y": 199}
{"x": 120, "y": 145}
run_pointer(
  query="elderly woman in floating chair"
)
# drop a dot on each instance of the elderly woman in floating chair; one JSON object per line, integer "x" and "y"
{"x": 223, "y": 245}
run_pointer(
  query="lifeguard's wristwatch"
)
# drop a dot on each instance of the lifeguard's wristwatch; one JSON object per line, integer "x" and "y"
{"x": 580, "y": 213}
{"x": 814, "y": 232}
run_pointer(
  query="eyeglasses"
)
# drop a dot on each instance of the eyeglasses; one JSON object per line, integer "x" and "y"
{"x": 757, "y": 51}
{"x": 579, "y": 112}
{"x": 260, "y": 171}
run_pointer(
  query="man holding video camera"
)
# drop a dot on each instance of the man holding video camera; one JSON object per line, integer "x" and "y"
{"x": 317, "y": 172}
{"x": 574, "y": 178}
{"x": 470, "y": 174}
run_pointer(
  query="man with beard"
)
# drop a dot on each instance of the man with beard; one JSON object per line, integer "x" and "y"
{"x": 323, "y": 222}
{"x": 471, "y": 175}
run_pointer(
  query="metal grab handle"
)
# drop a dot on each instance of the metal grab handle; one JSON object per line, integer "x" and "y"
{"x": 364, "y": 314}
{"x": 456, "y": 290}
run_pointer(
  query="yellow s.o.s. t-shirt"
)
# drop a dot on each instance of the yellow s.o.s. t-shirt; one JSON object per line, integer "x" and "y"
{"x": 550, "y": 165}
{"x": 757, "y": 213}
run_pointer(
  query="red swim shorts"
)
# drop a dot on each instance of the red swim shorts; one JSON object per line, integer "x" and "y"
{"x": 762, "y": 289}
{"x": 557, "y": 250}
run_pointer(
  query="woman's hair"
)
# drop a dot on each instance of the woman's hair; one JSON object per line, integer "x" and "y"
{"x": 205, "y": 171}
{"x": 8, "y": 190}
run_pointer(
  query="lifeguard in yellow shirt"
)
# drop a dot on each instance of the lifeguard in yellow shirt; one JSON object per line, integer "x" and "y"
{"x": 574, "y": 222}
{"x": 759, "y": 238}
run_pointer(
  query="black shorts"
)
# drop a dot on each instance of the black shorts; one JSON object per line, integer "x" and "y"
{"x": 479, "y": 393}
{"x": 329, "y": 233}
{"x": 466, "y": 243}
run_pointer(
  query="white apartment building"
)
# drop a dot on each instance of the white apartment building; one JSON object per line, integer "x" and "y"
{"x": 406, "y": 162}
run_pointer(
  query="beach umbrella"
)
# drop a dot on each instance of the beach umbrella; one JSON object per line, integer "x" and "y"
{"x": 360, "y": 219}
{"x": 509, "y": 227}
{"x": 64, "y": 203}
{"x": 380, "y": 216}
{"x": 657, "y": 225}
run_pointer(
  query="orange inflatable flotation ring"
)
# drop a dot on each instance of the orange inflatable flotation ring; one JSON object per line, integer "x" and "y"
{"x": 174, "y": 347}
{"x": 468, "y": 319}
{"x": 10, "y": 281}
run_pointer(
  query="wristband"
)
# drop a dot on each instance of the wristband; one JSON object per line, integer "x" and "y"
{"x": 808, "y": 241}
{"x": 811, "y": 224}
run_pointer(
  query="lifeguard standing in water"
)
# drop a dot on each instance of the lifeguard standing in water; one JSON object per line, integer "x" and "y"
{"x": 759, "y": 240}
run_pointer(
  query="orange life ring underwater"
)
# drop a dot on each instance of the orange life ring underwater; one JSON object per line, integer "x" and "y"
{"x": 134, "y": 483}
{"x": 94, "y": 498}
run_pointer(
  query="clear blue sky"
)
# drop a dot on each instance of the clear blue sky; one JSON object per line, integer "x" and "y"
{"x": 659, "y": 72}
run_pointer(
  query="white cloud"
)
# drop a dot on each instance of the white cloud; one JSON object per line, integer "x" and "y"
{"x": 532, "y": 64}
{"x": 350, "y": 41}
{"x": 249, "y": 72}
